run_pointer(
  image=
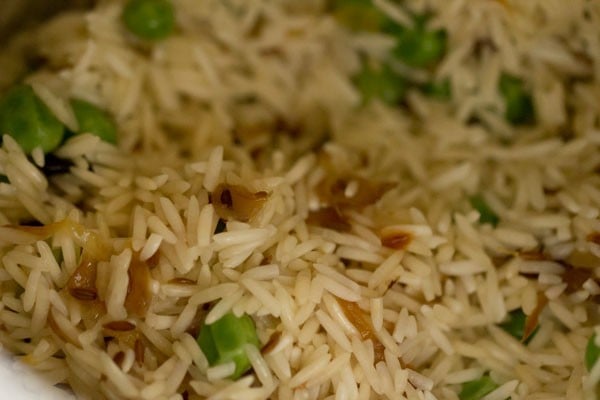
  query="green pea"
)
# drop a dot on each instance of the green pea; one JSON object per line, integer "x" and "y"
{"x": 223, "y": 341}
{"x": 149, "y": 19}
{"x": 475, "y": 390}
{"x": 592, "y": 353}
{"x": 418, "y": 46}
{"x": 359, "y": 15}
{"x": 29, "y": 121}
{"x": 518, "y": 103}
{"x": 486, "y": 214}
{"x": 439, "y": 90}
{"x": 515, "y": 325}
{"x": 92, "y": 119}
{"x": 380, "y": 83}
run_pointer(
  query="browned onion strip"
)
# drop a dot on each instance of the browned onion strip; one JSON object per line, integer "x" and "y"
{"x": 330, "y": 218}
{"x": 333, "y": 192}
{"x": 82, "y": 283}
{"x": 531, "y": 322}
{"x": 139, "y": 292}
{"x": 363, "y": 325}
{"x": 394, "y": 238}
{"x": 237, "y": 202}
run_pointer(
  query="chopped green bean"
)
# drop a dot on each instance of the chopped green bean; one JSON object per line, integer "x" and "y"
{"x": 380, "y": 83}
{"x": 475, "y": 390}
{"x": 518, "y": 103}
{"x": 29, "y": 121}
{"x": 486, "y": 214}
{"x": 149, "y": 19}
{"x": 223, "y": 341}
{"x": 592, "y": 353}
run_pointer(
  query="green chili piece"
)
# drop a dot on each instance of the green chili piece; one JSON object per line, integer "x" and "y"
{"x": 149, "y": 19}
{"x": 29, "y": 121}
{"x": 518, "y": 103}
{"x": 223, "y": 341}
{"x": 486, "y": 214}
{"x": 475, "y": 390}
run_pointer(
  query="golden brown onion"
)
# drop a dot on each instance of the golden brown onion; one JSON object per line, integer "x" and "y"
{"x": 237, "y": 202}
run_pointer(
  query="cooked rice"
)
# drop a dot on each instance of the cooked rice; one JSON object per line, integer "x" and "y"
{"x": 259, "y": 95}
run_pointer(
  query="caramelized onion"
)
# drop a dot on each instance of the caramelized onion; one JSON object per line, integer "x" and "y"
{"x": 531, "y": 323}
{"x": 82, "y": 283}
{"x": 594, "y": 237}
{"x": 328, "y": 217}
{"x": 395, "y": 238}
{"x": 533, "y": 255}
{"x": 333, "y": 192}
{"x": 575, "y": 277}
{"x": 363, "y": 325}
{"x": 119, "y": 326}
{"x": 237, "y": 202}
{"x": 91, "y": 312}
{"x": 139, "y": 292}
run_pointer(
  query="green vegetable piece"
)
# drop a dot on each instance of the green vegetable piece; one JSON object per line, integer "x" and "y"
{"x": 94, "y": 120}
{"x": 149, "y": 19}
{"x": 486, "y": 215}
{"x": 592, "y": 353}
{"x": 223, "y": 341}
{"x": 475, "y": 390}
{"x": 359, "y": 15}
{"x": 518, "y": 103}
{"x": 380, "y": 83}
{"x": 29, "y": 121}
{"x": 439, "y": 90}
{"x": 417, "y": 46}
{"x": 515, "y": 325}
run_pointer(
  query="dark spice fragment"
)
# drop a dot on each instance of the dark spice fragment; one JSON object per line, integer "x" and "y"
{"x": 221, "y": 226}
